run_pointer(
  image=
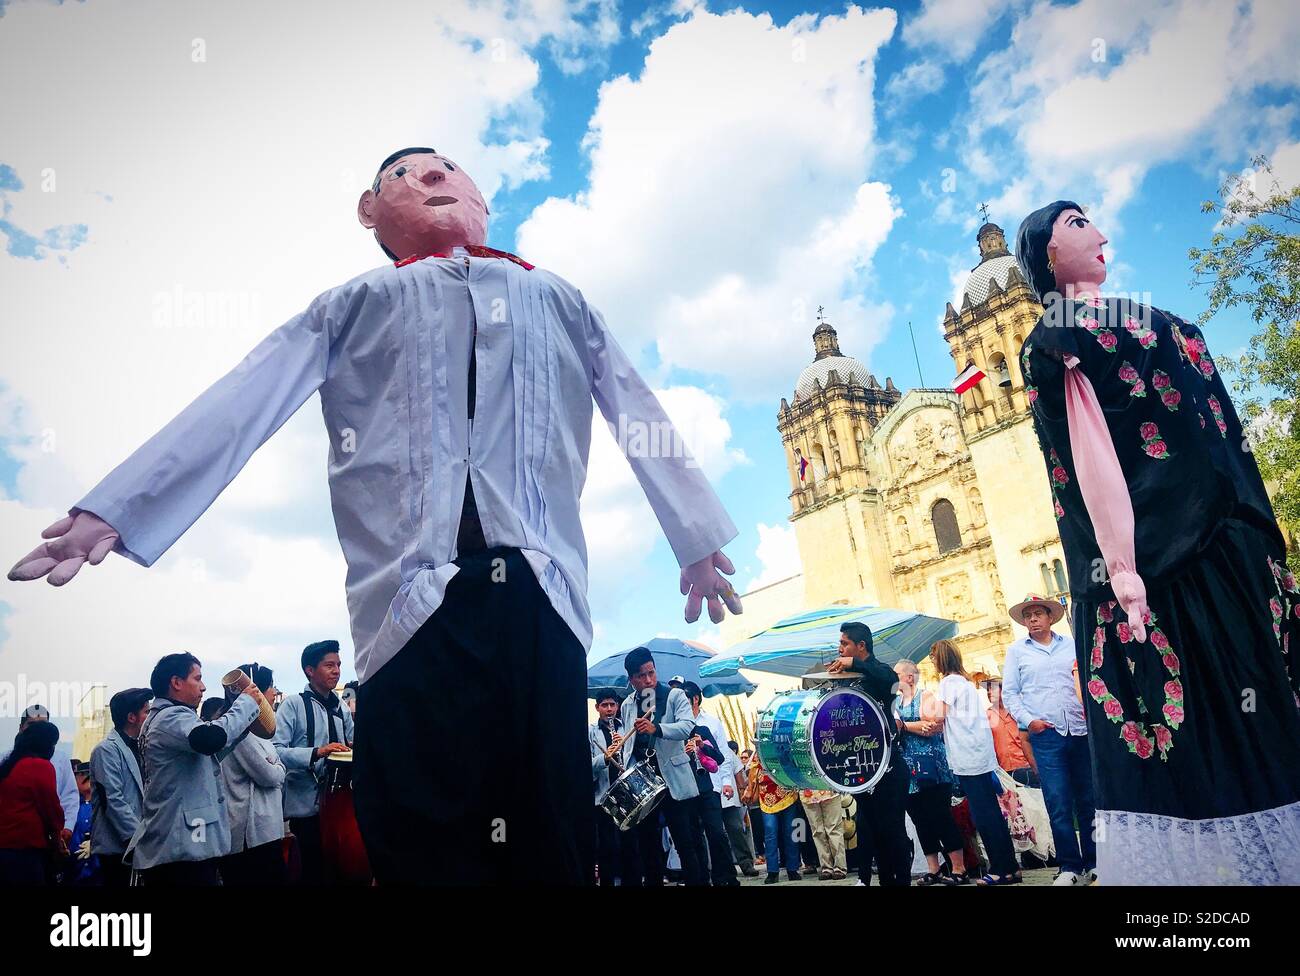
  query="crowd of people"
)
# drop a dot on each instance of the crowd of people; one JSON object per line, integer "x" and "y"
{"x": 183, "y": 791}
{"x": 979, "y": 778}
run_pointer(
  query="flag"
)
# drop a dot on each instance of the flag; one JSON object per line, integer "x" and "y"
{"x": 971, "y": 375}
{"x": 803, "y": 466}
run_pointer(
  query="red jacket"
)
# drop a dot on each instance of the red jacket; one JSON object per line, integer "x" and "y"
{"x": 30, "y": 812}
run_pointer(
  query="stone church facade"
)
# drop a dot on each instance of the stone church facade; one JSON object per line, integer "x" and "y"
{"x": 922, "y": 500}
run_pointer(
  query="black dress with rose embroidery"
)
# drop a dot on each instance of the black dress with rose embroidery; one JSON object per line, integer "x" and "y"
{"x": 1200, "y": 722}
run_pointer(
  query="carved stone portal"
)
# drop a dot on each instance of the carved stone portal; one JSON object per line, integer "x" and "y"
{"x": 955, "y": 597}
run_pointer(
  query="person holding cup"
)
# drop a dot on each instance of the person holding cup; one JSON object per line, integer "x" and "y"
{"x": 254, "y": 779}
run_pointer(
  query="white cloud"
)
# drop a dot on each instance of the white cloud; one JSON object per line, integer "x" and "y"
{"x": 620, "y": 527}
{"x": 953, "y": 28}
{"x": 777, "y": 553}
{"x": 919, "y": 78}
{"x": 958, "y": 275}
{"x": 1096, "y": 94}
{"x": 113, "y": 622}
{"x": 229, "y": 178}
{"x": 1285, "y": 160}
{"x": 718, "y": 176}
{"x": 654, "y": 15}
{"x": 1254, "y": 186}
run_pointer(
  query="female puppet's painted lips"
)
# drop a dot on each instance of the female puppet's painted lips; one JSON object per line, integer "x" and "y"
{"x": 439, "y": 201}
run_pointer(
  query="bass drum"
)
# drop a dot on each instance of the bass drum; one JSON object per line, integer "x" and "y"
{"x": 340, "y": 837}
{"x": 824, "y": 739}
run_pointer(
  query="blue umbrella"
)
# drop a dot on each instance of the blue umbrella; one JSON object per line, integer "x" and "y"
{"x": 672, "y": 657}
{"x": 809, "y": 641}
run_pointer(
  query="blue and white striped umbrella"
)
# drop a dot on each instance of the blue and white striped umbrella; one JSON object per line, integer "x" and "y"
{"x": 810, "y": 641}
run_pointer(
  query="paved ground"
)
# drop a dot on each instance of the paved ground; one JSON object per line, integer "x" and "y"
{"x": 1039, "y": 877}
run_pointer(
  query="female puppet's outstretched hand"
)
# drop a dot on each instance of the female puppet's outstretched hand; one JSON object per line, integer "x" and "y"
{"x": 703, "y": 581}
{"x": 73, "y": 541}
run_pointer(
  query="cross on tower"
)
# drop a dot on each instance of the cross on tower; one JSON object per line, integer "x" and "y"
{"x": 984, "y": 209}
{"x": 820, "y": 309}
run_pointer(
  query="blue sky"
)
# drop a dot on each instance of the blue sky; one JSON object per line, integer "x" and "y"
{"x": 1166, "y": 205}
{"x": 765, "y": 131}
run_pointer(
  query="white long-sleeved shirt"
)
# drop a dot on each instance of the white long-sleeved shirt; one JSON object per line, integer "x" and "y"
{"x": 389, "y": 352}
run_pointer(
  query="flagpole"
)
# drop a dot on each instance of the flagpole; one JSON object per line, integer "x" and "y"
{"x": 916, "y": 354}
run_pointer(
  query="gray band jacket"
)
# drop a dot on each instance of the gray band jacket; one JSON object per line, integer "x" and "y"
{"x": 184, "y": 799}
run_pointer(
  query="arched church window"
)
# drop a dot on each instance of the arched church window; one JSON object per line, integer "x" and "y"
{"x": 819, "y": 462}
{"x": 946, "y": 532}
{"x": 1047, "y": 578}
{"x": 1059, "y": 572}
{"x": 999, "y": 372}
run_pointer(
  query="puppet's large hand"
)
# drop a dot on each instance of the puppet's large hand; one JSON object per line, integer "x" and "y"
{"x": 1131, "y": 593}
{"x": 702, "y": 581}
{"x": 74, "y": 540}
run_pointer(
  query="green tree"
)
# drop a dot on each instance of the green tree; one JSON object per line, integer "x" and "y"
{"x": 1253, "y": 261}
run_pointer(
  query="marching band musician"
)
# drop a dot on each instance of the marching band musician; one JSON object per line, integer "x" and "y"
{"x": 254, "y": 780}
{"x": 615, "y": 849}
{"x": 881, "y": 829}
{"x": 119, "y": 790}
{"x": 184, "y": 829}
{"x": 658, "y": 720}
{"x": 707, "y": 808}
{"x": 309, "y": 727}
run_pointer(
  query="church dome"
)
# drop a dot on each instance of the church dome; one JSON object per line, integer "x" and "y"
{"x": 848, "y": 369}
{"x": 994, "y": 269}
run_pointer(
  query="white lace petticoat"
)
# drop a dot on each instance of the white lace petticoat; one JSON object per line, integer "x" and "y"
{"x": 1261, "y": 848}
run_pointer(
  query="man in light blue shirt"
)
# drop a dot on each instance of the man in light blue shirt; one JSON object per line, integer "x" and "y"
{"x": 310, "y": 727}
{"x": 1040, "y": 691}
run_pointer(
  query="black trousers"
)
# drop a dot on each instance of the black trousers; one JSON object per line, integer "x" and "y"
{"x": 647, "y": 836}
{"x": 262, "y": 865}
{"x": 706, "y": 814}
{"x": 616, "y": 852}
{"x": 756, "y": 826}
{"x": 678, "y": 816}
{"x": 182, "y": 874}
{"x": 473, "y": 764}
{"x": 24, "y": 867}
{"x": 113, "y": 872}
{"x": 930, "y": 808}
{"x": 882, "y": 830}
{"x": 311, "y": 856}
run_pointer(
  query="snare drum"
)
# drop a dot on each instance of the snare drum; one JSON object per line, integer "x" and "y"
{"x": 824, "y": 739}
{"x": 341, "y": 844}
{"x": 633, "y": 795}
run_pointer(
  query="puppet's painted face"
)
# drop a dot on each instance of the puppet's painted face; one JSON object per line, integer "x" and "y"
{"x": 426, "y": 204}
{"x": 1075, "y": 249}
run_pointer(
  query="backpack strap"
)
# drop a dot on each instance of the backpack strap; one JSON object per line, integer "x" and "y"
{"x": 311, "y": 719}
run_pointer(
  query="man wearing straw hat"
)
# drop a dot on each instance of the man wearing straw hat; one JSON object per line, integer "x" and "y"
{"x": 1040, "y": 692}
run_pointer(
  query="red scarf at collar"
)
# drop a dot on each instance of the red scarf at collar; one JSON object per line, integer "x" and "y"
{"x": 474, "y": 250}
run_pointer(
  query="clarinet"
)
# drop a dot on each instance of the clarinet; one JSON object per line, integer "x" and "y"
{"x": 608, "y": 723}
